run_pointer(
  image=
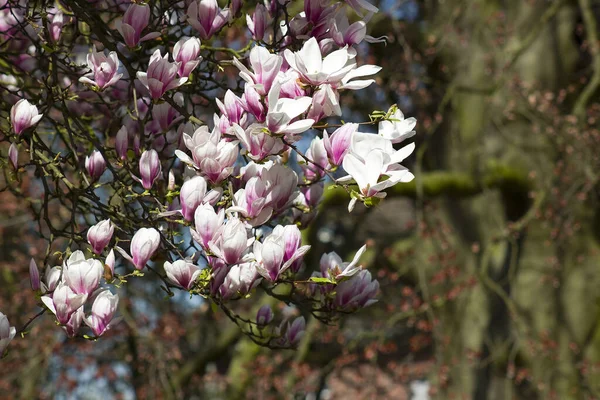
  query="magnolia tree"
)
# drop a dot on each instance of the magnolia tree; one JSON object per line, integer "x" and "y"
{"x": 108, "y": 108}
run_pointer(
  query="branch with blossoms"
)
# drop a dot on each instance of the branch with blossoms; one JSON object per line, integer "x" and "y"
{"x": 106, "y": 104}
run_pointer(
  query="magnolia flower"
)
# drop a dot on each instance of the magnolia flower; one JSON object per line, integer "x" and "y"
{"x": 81, "y": 275}
{"x": 24, "y": 115}
{"x": 95, "y": 165}
{"x": 74, "y": 322}
{"x": 356, "y": 292}
{"x": 338, "y": 144}
{"x": 240, "y": 279}
{"x": 360, "y": 5}
{"x": 332, "y": 266}
{"x": 187, "y": 53}
{"x": 213, "y": 156}
{"x": 338, "y": 68}
{"x": 63, "y": 302}
{"x": 103, "y": 70}
{"x": 103, "y": 310}
{"x": 258, "y": 143}
{"x": 316, "y": 70}
{"x": 144, "y": 244}
{"x": 230, "y": 241}
{"x": 232, "y": 109}
{"x": 99, "y": 235}
{"x": 207, "y": 223}
{"x": 52, "y": 278}
{"x": 206, "y": 17}
{"x": 150, "y": 168}
{"x": 282, "y": 111}
{"x": 7, "y": 333}
{"x": 252, "y": 103}
{"x": 161, "y": 75}
{"x": 134, "y": 21}
{"x": 265, "y": 67}
{"x": 398, "y": 129}
{"x": 110, "y": 263}
{"x": 372, "y": 156}
{"x": 165, "y": 115}
{"x": 316, "y": 160}
{"x": 182, "y": 273}
{"x": 270, "y": 254}
{"x": 325, "y": 103}
{"x": 344, "y": 34}
{"x": 191, "y": 196}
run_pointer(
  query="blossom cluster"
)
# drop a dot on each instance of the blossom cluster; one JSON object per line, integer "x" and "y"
{"x": 239, "y": 187}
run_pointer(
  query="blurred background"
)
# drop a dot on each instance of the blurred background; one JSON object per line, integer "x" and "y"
{"x": 489, "y": 262}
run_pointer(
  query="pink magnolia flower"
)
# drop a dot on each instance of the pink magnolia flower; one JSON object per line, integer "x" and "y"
{"x": 104, "y": 70}
{"x": 182, "y": 273}
{"x": 207, "y": 223}
{"x": 251, "y": 202}
{"x": 343, "y": 33}
{"x": 191, "y": 196}
{"x": 81, "y": 275}
{"x": 187, "y": 53}
{"x": 103, "y": 311}
{"x": 338, "y": 144}
{"x": 372, "y": 156}
{"x": 95, "y": 165}
{"x": 230, "y": 241}
{"x": 332, "y": 265}
{"x": 165, "y": 116}
{"x": 282, "y": 111}
{"x": 144, "y": 244}
{"x": 7, "y": 333}
{"x": 99, "y": 235}
{"x": 294, "y": 332}
{"x": 257, "y": 142}
{"x": 316, "y": 153}
{"x": 161, "y": 75}
{"x": 271, "y": 252}
{"x": 206, "y": 17}
{"x": 24, "y": 115}
{"x": 240, "y": 279}
{"x": 134, "y": 21}
{"x": 232, "y": 109}
{"x": 265, "y": 67}
{"x": 74, "y": 322}
{"x": 213, "y": 156}
{"x": 63, "y": 302}
{"x": 356, "y": 292}
{"x": 397, "y": 129}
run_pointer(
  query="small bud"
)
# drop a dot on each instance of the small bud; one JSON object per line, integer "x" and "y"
{"x": 264, "y": 316}
{"x": 34, "y": 276}
{"x": 150, "y": 168}
{"x": 95, "y": 165}
{"x": 122, "y": 142}
{"x": 13, "y": 155}
{"x": 100, "y": 234}
{"x": 171, "y": 182}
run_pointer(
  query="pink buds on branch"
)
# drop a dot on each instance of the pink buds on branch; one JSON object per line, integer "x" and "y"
{"x": 150, "y": 168}
{"x": 134, "y": 21}
{"x": 95, "y": 165}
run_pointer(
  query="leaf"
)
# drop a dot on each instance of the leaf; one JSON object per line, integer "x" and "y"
{"x": 321, "y": 280}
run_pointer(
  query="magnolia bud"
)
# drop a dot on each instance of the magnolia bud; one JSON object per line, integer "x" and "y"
{"x": 191, "y": 196}
{"x": 187, "y": 52}
{"x": 24, "y": 115}
{"x": 264, "y": 316}
{"x": 122, "y": 142}
{"x": 100, "y": 234}
{"x": 95, "y": 165}
{"x": 13, "y": 155}
{"x": 7, "y": 333}
{"x": 144, "y": 244}
{"x": 150, "y": 168}
{"x": 34, "y": 275}
{"x": 338, "y": 144}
